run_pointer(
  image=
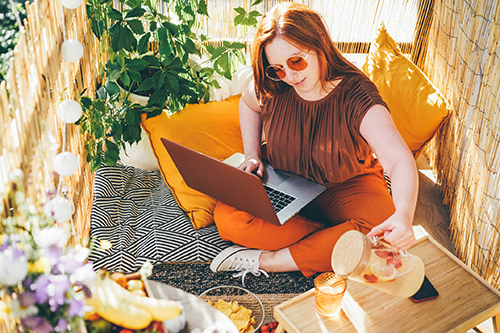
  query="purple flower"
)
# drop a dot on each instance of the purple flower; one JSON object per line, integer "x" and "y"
{"x": 53, "y": 255}
{"x": 41, "y": 288}
{"x": 62, "y": 325}
{"x": 37, "y": 324}
{"x": 27, "y": 299}
{"x": 76, "y": 308}
{"x": 58, "y": 288}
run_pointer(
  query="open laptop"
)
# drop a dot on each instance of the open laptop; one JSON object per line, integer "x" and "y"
{"x": 225, "y": 182}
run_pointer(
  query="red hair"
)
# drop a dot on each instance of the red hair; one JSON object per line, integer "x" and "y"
{"x": 304, "y": 28}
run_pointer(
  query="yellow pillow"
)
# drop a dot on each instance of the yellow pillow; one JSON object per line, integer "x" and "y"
{"x": 418, "y": 108}
{"x": 212, "y": 129}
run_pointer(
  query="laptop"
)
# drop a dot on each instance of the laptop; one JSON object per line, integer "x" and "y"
{"x": 276, "y": 197}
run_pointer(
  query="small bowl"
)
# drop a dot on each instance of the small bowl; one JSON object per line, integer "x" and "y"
{"x": 243, "y": 296}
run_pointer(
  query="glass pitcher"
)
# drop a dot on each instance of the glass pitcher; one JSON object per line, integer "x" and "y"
{"x": 376, "y": 263}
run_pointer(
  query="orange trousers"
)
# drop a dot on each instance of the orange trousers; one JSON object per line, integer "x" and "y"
{"x": 359, "y": 203}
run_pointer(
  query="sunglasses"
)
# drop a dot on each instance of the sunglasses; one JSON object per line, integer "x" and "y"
{"x": 295, "y": 63}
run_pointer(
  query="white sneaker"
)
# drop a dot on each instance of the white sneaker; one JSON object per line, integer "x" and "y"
{"x": 238, "y": 258}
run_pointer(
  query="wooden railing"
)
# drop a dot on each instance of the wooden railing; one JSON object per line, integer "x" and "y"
{"x": 37, "y": 81}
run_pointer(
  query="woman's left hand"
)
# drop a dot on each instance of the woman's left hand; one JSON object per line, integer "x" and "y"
{"x": 397, "y": 230}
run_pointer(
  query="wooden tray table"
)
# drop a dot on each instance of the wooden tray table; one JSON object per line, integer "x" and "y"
{"x": 465, "y": 300}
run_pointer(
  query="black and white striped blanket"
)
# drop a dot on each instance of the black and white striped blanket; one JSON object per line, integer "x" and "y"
{"x": 136, "y": 218}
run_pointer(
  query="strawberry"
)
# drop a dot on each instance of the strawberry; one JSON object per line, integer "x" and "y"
{"x": 394, "y": 261}
{"x": 370, "y": 278}
{"x": 384, "y": 254}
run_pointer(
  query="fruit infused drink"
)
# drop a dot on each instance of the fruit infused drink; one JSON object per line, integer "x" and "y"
{"x": 329, "y": 289}
{"x": 376, "y": 263}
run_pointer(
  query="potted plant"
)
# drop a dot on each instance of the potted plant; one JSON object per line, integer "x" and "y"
{"x": 150, "y": 55}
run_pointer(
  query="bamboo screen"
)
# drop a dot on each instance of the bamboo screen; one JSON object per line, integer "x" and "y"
{"x": 38, "y": 79}
{"x": 463, "y": 60}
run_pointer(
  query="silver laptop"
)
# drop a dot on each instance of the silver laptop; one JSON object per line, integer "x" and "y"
{"x": 275, "y": 198}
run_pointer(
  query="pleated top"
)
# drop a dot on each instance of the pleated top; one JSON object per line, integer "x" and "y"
{"x": 320, "y": 140}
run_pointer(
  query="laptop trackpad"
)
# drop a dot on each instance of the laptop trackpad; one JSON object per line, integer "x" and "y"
{"x": 274, "y": 177}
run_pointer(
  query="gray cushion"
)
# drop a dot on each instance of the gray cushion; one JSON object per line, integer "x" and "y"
{"x": 136, "y": 212}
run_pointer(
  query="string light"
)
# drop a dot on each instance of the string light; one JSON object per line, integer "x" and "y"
{"x": 66, "y": 163}
{"x": 69, "y": 111}
{"x": 71, "y": 50}
{"x": 71, "y": 4}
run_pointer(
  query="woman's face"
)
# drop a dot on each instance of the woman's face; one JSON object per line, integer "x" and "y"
{"x": 306, "y": 82}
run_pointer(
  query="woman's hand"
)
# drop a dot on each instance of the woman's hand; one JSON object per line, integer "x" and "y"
{"x": 397, "y": 230}
{"x": 252, "y": 165}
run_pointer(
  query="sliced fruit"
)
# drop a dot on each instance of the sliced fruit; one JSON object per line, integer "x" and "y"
{"x": 370, "y": 278}
{"x": 383, "y": 272}
{"x": 384, "y": 254}
{"x": 394, "y": 261}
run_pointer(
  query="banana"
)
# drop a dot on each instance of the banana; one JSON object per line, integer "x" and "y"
{"x": 110, "y": 306}
{"x": 158, "y": 309}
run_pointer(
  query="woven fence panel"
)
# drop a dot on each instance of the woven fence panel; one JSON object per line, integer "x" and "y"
{"x": 463, "y": 60}
{"x": 37, "y": 81}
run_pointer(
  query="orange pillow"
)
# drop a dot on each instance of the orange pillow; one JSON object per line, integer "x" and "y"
{"x": 212, "y": 129}
{"x": 418, "y": 108}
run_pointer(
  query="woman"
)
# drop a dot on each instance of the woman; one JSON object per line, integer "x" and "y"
{"x": 324, "y": 119}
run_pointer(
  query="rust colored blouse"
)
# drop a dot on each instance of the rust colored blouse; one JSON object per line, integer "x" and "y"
{"x": 320, "y": 139}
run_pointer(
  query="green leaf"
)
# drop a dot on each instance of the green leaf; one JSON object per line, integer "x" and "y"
{"x": 238, "y": 19}
{"x": 172, "y": 28}
{"x": 254, "y": 13}
{"x": 217, "y": 52}
{"x": 158, "y": 98}
{"x": 152, "y": 26}
{"x": 134, "y": 75}
{"x": 98, "y": 105}
{"x": 132, "y": 117}
{"x": 114, "y": 14}
{"x": 95, "y": 163}
{"x": 115, "y": 74}
{"x": 158, "y": 79}
{"x": 202, "y": 8}
{"x": 122, "y": 38}
{"x": 97, "y": 28}
{"x": 237, "y": 45}
{"x": 142, "y": 47}
{"x": 171, "y": 83}
{"x": 152, "y": 60}
{"x": 111, "y": 157}
{"x": 86, "y": 102}
{"x": 112, "y": 88}
{"x": 125, "y": 79}
{"x": 111, "y": 146}
{"x": 256, "y": 2}
{"x": 240, "y": 10}
{"x": 145, "y": 85}
{"x": 136, "y": 26}
{"x": 102, "y": 93}
{"x": 135, "y": 12}
{"x": 190, "y": 47}
{"x": 137, "y": 64}
{"x": 166, "y": 43}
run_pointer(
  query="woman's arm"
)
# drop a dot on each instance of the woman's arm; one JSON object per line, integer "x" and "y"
{"x": 251, "y": 131}
{"x": 378, "y": 129}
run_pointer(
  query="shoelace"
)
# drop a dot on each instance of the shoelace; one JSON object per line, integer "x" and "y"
{"x": 244, "y": 272}
{"x": 243, "y": 267}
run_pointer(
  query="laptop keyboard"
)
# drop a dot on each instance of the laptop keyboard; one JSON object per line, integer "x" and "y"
{"x": 279, "y": 199}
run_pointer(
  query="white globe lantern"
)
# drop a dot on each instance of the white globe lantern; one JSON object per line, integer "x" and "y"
{"x": 71, "y": 50}
{"x": 71, "y": 4}
{"x": 66, "y": 163}
{"x": 69, "y": 111}
{"x": 60, "y": 208}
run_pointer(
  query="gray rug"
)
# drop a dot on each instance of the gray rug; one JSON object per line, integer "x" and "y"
{"x": 195, "y": 278}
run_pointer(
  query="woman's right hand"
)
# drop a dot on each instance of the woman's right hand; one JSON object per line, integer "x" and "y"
{"x": 252, "y": 165}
